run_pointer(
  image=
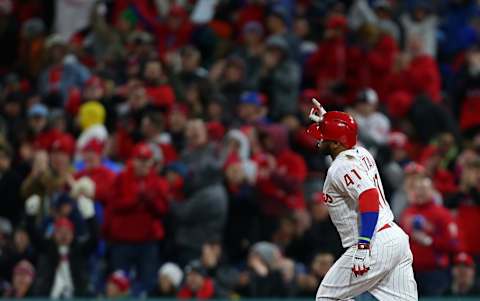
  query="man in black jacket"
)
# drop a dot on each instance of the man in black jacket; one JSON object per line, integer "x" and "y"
{"x": 62, "y": 266}
{"x": 202, "y": 216}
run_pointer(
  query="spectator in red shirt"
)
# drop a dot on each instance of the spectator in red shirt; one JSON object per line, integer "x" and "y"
{"x": 157, "y": 87}
{"x": 102, "y": 176}
{"x": 328, "y": 65}
{"x": 175, "y": 32}
{"x": 434, "y": 237}
{"x": 153, "y": 130}
{"x": 380, "y": 61}
{"x": 466, "y": 201}
{"x": 133, "y": 220}
{"x": 281, "y": 173}
{"x": 417, "y": 73}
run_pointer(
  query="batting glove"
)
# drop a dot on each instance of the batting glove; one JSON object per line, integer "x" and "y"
{"x": 361, "y": 259}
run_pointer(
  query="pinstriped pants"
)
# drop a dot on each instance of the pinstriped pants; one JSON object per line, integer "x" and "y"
{"x": 390, "y": 276}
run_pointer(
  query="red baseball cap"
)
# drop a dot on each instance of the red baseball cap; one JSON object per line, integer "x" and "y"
{"x": 93, "y": 145}
{"x": 177, "y": 11}
{"x": 216, "y": 130}
{"x": 94, "y": 81}
{"x": 181, "y": 108}
{"x": 464, "y": 259}
{"x": 64, "y": 222}
{"x": 337, "y": 22}
{"x": 120, "y": 279}
{"x": 24, "y": 267}
{"x": 397, "y": 140}
{"x": 414, "y": 168}
{"x": 142, "y": 151}
{"x": 63, "y": 143}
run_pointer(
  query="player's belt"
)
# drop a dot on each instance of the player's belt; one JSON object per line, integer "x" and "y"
{"x": 386, "y": 226}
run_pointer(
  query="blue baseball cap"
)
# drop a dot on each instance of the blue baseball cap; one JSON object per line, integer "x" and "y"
{"x": 251, "y": 98}
{"x": 177, "y": 167}
{"x": 38, "y": 110}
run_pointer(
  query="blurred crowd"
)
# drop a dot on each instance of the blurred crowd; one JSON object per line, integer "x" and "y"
{"x": 158, "y": 148}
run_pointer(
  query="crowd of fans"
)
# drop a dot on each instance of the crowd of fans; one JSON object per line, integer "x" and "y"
{"x": 158, "y": 148}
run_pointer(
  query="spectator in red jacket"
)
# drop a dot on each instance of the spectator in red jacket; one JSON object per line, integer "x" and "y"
{"x": 380, "y": 61}
{"x": 197, "y": 284}
{"x": 175, "y": 32}
{"x": 102, "y": 176}
{"x": 153, "y": 130}
{"x": 157, "y": 87}
{"x": 417, "y": 73}
{"x": 434, "y": 237}
{"x": 328, "y": 65}
{"x": 467, "y": 203}
{"x": 281, "y": 173}
{"x": 133, "y": 221}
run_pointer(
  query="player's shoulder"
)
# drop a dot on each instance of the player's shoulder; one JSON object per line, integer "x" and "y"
{"x": 347, "y": 160}
{"x": 361, "y": 151}
{"x": 350, "y": 157}
{"x": 343, "y": 161}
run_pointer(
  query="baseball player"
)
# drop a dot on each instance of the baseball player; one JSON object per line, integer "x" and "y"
{"x": 378, "y": 257}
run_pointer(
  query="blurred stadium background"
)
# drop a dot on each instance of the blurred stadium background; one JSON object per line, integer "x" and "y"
{"x": 158, "y": 148}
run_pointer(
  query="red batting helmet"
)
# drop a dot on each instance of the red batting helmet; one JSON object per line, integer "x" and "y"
{"x": 335, "y": 126}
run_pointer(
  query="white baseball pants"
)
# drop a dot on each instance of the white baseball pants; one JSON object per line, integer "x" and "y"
{"x": 390, "y": 276}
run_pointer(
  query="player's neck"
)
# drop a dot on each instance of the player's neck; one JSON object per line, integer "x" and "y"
{"x": 337, "y": 151}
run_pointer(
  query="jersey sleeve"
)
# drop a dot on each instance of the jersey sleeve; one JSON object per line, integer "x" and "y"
{"x": 353, "y": 180}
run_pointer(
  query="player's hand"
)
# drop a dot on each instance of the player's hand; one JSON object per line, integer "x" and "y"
{"x": 361, "y": 260}
{"x": 317, "y": 111}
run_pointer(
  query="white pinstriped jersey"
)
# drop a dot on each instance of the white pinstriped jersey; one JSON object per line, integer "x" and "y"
{"x": 352, "y": 172}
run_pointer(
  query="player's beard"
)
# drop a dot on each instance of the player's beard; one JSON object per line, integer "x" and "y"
{"x": 325, "y": 148}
